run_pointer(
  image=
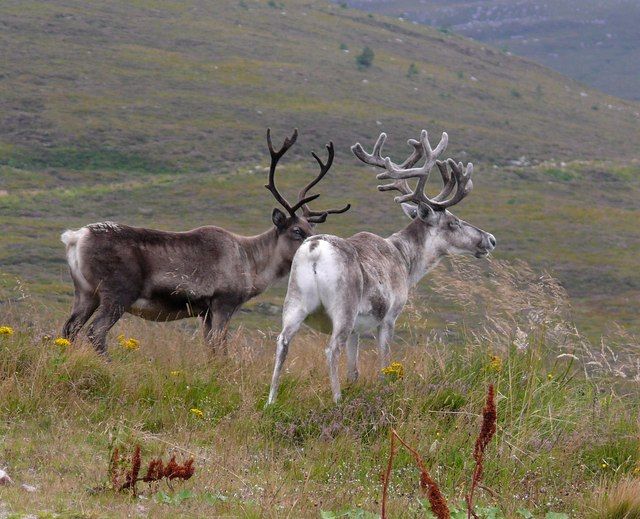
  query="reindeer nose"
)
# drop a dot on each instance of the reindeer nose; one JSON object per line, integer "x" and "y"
{"x": 492, "y": 241}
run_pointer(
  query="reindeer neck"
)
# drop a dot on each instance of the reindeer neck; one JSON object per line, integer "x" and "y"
{"x": 265, "y": 264}
{"x": 413, "y": 244}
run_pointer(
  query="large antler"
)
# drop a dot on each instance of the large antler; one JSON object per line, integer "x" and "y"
{"x": 275, "y": 157}
{"x": 459, "y": 180}
{"x": 319, "y": 216}
{"x": 375, "y": 159}
{"x": 303, "y": 199}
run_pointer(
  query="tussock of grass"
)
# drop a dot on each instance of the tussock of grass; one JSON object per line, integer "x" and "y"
{"x": 562, "y": 426}
{"x": 620, "y": 500}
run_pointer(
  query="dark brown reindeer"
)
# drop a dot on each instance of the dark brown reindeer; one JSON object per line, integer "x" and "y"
{"x": 207, "y": 272}
{"x": 362, "y": 283}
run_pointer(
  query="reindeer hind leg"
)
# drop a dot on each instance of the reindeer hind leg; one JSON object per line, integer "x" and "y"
{"x": 84, "y": 305}
{"x": 292, "y": 319}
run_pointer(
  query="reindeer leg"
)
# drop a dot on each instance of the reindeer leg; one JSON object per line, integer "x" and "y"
{"x": 352, "y": 357}
{"x": 385, "y": 334}
{"x": 343, "y": 319}
{"x": 84, "y": 304}
{"x": 108, "y": 315}
{"x": 291, "y": 321}
{"x": 216, "y": 324}
{"x": 339, "y": 338}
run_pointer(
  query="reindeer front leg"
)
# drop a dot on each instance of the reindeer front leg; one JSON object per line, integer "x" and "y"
{"x": 385, "y": 334}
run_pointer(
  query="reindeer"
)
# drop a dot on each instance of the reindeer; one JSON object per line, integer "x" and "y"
{"x": 207, "y": 272}
{"x": 362, "y": 283}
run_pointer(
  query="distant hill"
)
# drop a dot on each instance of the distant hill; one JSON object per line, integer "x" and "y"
{"x": 155, "y": 114}
{"x": 191, "y": 85}
{"x": 597, "y": 43}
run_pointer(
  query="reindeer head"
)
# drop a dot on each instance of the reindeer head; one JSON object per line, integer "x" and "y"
{"x": 293, "y": 229}
{"x": 446, "y": 233}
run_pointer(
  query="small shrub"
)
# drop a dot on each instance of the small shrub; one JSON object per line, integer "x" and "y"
{"x": 515, "y": 93}
{"x": 412, "y": 71}
{"x": 365, "y": 58}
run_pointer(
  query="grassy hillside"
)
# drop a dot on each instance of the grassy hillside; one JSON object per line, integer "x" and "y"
{"x": 155, "y": 115}
{"x": 594, "y": 42}
{"x": 192, "y": 85}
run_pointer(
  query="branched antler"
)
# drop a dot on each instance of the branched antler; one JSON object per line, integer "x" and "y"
{"x": 375, "y": 159}
{"x": 275, "y": 157}
{"x": 303, "y": 199}
{"x": 458, "y": 179}
{"x": 319, "y": 216}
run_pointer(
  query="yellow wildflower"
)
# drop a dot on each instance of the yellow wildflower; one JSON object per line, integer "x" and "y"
{"x": 6, "y": 330}
{"x": 128, "y": 343}
{"x": 175, "y": 373}
{"x": 550, "y": 376}
{"x": 495, "y": 364}
{"x": 62, "y": 342}
{"x": 394, "y": 370}
{"x": 198, "y": 413}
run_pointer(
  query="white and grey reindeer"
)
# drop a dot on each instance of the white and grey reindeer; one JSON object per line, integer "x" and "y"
{"x": 362, "y": 282}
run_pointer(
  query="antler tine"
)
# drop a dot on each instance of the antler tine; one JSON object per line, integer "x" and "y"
{"x": 324, "y": 168}
{"x": 375, "y": 159}
{"x": 403, "y": 185}
{"x": 303, "y": 200}
{"x": 448, "y": 181}
{"x": 275, "y": 157}
{"x": 463, "y": 182}
{"x": 422, "y": 173}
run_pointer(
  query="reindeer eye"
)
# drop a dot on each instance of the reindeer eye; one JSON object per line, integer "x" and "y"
{"x": 298, "y": 233}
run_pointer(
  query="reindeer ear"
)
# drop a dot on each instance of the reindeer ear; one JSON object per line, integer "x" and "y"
{"x": 279, "y": 218}
{"x": 410, "y": 210}
{"x": 427, "y": 214}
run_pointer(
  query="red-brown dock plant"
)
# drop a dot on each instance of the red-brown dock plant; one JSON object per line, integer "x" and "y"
{"x": 123, "y": 478}
{"x": 437, "y": 500}
{"x": 487, "y": 431}
{"x": 428, "y": 485}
